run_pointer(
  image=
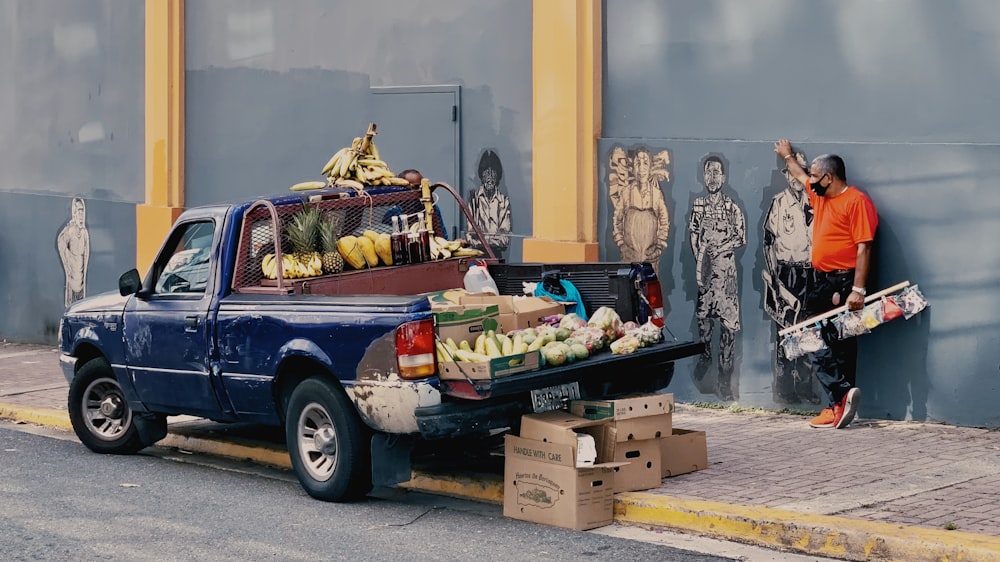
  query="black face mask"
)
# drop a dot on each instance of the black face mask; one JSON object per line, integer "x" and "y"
{"x": 819, "y": 189}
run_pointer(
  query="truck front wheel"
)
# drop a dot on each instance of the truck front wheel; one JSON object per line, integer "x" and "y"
{"x": 101, "y": 416}
{"x": 329, "y": 447}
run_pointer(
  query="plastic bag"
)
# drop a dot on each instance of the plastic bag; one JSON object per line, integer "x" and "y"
{"x": 871, "y": 315}
{"x": 811, "y": 339}
{"x": 912, "y": 301}
{"x": 850, "y": 324}
{"x": 890, "y": 308}
{"x": 790, "y": 346}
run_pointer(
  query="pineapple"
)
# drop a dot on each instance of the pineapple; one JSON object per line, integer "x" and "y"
{"x": 302, "y": 234}
{"x": 329, "y": 229}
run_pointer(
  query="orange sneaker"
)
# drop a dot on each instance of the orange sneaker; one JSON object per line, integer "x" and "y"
{"x": 847, "y": 408}
{"x": 826, "y": 418}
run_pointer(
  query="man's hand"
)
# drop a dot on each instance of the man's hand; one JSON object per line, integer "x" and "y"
{"x": 783, "y": 148}
{"x": 855, "y": 301}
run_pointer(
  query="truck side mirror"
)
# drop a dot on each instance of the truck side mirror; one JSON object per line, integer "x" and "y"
{"x": 129, "y": 283}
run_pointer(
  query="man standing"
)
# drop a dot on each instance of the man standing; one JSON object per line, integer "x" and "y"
{"x": 843, "y": 231}
{"x": 788, "y": 260}
{"x": 717, "y": 228}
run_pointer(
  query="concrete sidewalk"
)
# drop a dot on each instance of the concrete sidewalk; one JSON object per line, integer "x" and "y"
{"x": 879, "y": 490}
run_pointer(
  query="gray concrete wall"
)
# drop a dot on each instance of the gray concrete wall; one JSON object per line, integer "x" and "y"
{"x": 903, "y": 90}
{"x": 275, "y": 87}
{"x": 71, "y": 125}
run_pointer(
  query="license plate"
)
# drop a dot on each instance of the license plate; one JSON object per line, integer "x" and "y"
{"x": 554, "y": 397}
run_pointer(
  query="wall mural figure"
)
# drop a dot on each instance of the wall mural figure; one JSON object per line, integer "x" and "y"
{"x": 717, "y": 228}
{"x": 490, "y": 206}
{"x": 788, "y": 262}
{"x": 640, "y": 223}
{"x": 73, "y": 245}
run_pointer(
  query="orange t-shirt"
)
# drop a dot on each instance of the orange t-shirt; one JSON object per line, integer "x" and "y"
{"x": 839, "y": 224}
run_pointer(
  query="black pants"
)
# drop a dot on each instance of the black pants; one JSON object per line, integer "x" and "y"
{"x": 835, "y": 366}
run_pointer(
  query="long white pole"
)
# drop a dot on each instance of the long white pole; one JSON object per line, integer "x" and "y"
{"x": 839, "y": 309}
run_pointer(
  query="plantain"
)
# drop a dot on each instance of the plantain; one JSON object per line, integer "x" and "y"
{"x": 350, "y": 249}
{"x": 333, "y": 160}
{"x": 383, "y": 247}
{"x": 307, "y": 185}
{"x": 368, "y": 249}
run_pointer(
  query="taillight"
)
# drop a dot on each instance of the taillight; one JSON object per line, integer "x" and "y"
{"x": 415, "y": 349}
{"x": 653, "y": 298}
{"x": 650, "y": 295}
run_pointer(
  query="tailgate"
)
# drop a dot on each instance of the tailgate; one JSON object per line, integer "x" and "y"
{"x": 596, "y": 369}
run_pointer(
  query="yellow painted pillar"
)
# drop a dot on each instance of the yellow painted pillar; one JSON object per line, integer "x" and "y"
{"x": 164, "y": 128}
{"x": 566, "y": 122}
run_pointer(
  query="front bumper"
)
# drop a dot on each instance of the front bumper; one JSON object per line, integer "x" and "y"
{"x": 68, "y": 365}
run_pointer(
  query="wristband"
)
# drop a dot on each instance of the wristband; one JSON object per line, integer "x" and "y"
{"x": 860, "y": 290}
{"x": 787, "y": 157}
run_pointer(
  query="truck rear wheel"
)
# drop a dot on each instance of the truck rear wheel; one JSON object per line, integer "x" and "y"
{"x": 101, "y": 416}
{"x": 329, "y": 446}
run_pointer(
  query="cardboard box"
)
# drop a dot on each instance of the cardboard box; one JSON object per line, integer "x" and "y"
{"x": 683, "y": 451}
{"x": 637, "y": 429}
{"x": 465, "y": 323}
{"x": 516, "y": 313}
{"x": 634, "y": 418}
{"x": 443, "y": 300}
{"x": 643, "y": 470}
{"x": 542, "y": 482}
{"x": 624, "y": 408}
{"x": 488, "y": 370}
{"x": 543, "y": 485}
{"x": 505, "y": 304}
{"x": 529, "y": 311}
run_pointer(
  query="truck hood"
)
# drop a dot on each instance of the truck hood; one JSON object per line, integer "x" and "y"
{"x": 104, "y": 302}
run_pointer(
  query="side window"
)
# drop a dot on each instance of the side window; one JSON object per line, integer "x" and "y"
{"x": 186, "y": 270}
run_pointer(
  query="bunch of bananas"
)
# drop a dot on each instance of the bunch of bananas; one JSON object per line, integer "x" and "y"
{"x": 291, "y": 267}
{"x": 360, "y": 164}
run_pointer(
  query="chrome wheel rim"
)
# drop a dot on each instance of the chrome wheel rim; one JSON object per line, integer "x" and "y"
{"x": 317, "y": 442}
{"x": 105, "y": 411}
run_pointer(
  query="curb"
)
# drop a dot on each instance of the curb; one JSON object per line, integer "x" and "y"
{"x": 819, "y": 535}
{"x": 47, "y": 417}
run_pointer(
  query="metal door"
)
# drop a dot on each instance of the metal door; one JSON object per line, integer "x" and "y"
{"x": 418, "y": 127}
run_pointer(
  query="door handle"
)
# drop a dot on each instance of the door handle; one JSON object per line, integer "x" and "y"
{"x": 191, "y": 323}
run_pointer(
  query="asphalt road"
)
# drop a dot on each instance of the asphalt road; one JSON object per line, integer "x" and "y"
{"x": 61, "y": 502}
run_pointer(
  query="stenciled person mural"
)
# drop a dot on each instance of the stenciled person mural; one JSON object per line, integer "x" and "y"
{"x": 641, "y": 222}
{"x": 73, "y": 245}
{"x": 717, "y": 228}
{"x": 788, "y": 264}
{"x": 490, "y": 206}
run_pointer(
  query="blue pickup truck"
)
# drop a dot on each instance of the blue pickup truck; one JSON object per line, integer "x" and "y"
{"x": 344, "y": 362}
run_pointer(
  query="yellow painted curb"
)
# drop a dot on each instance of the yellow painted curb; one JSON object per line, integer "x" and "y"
{"x": 821, "y": 535}
{"x": 480, "y": 487}
{"x": 39, "y": 416}
{"x": 263, "y": 455}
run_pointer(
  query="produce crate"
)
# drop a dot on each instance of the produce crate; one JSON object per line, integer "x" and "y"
{"x": 488, "y": 370}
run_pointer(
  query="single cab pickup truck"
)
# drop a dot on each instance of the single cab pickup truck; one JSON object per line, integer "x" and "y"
{"x": 345, "y": 362}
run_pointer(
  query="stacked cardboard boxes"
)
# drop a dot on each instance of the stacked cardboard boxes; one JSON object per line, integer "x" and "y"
{"x": 548, "y": 480}
{"x": 633, "y": 430}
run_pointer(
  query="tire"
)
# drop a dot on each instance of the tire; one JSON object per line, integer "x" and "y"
{"x": 329, "y": 446}
{"x": 102, "y": 418}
